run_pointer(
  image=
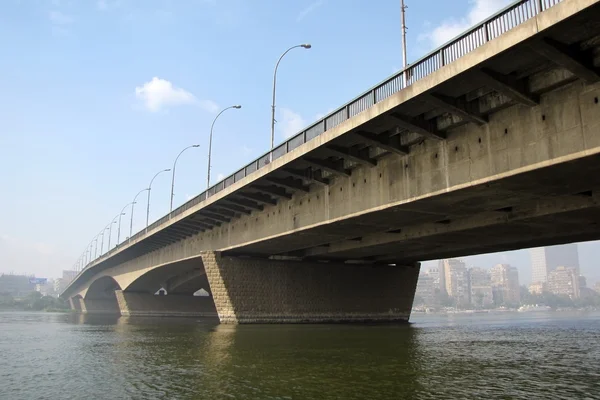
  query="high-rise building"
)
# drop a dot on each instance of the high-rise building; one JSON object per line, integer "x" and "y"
{"x": 537, "y": 287}
{"x": 456, "y": 281}
{"x": 426, "y": 289}
{"x": 68, "y": 275}
{"x": 564, "y": 281}
{"x": 505, "y": 284}
{"x": 434, "y": 273}
{"x": 546, "y": 259}
{"x": 481, "y": 287}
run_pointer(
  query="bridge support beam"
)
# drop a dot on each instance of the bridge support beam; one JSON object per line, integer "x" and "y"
{"x": 249, "y": 290}
{"x": 94, "y": 305}
{"x": 133, "y": 304}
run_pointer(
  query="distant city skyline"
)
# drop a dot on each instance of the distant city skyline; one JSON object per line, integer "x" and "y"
{"x": 589, "y": 266}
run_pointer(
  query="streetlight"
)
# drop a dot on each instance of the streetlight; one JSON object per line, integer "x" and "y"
{"x": 149, "y": 190}
{"x": 210, "y": 140}
{"x": 102, "y": 242}
{"x": 110, "y": 229}
{"x": 305, "y": 46}
{"x": 132, "y": 204}
{"x": 121, "y": 214}
{"x": 96, "y": 247}
{"x": 173, "y": 178}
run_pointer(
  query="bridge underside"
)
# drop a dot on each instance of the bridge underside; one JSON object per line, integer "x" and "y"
{"x": 250, "y": 290}
{"x": 556, "y": 204}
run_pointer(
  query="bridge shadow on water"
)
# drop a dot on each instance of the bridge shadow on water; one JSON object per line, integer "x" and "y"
{"x": 195, "y": 357}
{"x": 437, "y": 357}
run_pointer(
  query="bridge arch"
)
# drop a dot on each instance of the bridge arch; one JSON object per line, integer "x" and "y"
{"x": 101, "y": 297}
{"x": 168, "y": 290}
{"x": 182, "y": 277}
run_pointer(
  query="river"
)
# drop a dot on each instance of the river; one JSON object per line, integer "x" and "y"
{"x": 511, "y": 356}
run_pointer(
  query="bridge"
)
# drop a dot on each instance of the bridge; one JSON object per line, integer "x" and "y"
{"x": 489, "y": 143}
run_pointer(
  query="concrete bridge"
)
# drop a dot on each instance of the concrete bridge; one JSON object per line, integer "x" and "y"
{"x": 489, "y": 143}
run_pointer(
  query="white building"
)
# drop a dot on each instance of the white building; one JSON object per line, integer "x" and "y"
{"x": 546, "y": 259}
{"x": 456, "y": 280}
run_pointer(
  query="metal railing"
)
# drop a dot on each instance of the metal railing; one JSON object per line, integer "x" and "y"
{"x": 489, "y": 29}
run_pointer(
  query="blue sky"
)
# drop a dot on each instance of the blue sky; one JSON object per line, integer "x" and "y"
{"x": 97, "y": 96}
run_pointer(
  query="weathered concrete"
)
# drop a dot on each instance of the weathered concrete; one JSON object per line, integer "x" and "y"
{"x": 133, "y": 304}
{"x": 267, "y": 291}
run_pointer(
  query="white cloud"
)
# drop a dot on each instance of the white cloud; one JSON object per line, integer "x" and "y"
{"x": 220, "y": 176}
{"x": 209, "y": 106}
{"x": 291, "y": 123}
{"x": 450, "y": 28}
{"x": 312, "y": 7}
{"x": 58, "y": 18}
{"x": 159, "y": 94}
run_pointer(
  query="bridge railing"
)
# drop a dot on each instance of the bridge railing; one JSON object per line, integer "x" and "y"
{"x": 489, "y": 29}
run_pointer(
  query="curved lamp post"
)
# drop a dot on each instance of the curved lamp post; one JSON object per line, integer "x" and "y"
{"x": 110, "y": 229}
{"x": 120, "y": 215}
{"x": 305, "y": 46}
{"x": 96, "y": 247}
{"x": 149, "y": 190}
{"x": 102, "y": 242}
{"x": 132, "y": 204}
{"x": 210, "y": 140}
{"x": 173, "y": 177}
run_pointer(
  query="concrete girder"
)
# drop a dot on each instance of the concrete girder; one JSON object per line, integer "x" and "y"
{"x": 212, "y": 216}
{"x": 352, "y": 154}
{"x": 261, "y": 199}
{"x": 509, "y": 86}
{"x": 522, "y": 212}
{"x": 457, "y": 107}
{"x": 234, "y": 208}
{"x": 329, "y": 166}
{"x": 272, "y": 191}
{"x": 418, "y": 125}
{"x": 391, "y": 144}
{"x": 308, "y": 175}
{"x": 244, "y": 203}
{"x": 564, "y": 56}
{"x": 288, "y": 183}
{"x": 222, "y": 212}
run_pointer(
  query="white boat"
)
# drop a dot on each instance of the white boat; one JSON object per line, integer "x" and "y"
{"x": 534, "y": 308}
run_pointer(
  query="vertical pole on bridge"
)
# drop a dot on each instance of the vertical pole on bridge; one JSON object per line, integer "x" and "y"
{"x": 403, "y": 13}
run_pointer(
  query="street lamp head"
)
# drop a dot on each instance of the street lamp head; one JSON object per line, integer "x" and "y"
{"x": 167, "y": 170}
{"x": 238, "y": 107}
{"x": 195, "y": 145}
{"x": 122, "y": 214}
{"x": 306, "y": 45}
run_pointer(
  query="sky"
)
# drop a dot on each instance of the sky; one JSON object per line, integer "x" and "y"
{"x": 97, "y": 96}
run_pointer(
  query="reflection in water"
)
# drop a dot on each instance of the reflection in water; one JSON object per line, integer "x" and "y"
{"x": 75, "y": 356}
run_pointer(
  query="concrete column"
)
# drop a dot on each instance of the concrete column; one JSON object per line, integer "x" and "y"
{"x": 146, "y": 304}
{"x": 77, "y": 304}
{"x": 247, "y": 290}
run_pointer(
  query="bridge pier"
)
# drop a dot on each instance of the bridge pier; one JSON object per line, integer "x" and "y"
{"x": 133, "y": 304}
{"x": 250, "y": 290}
